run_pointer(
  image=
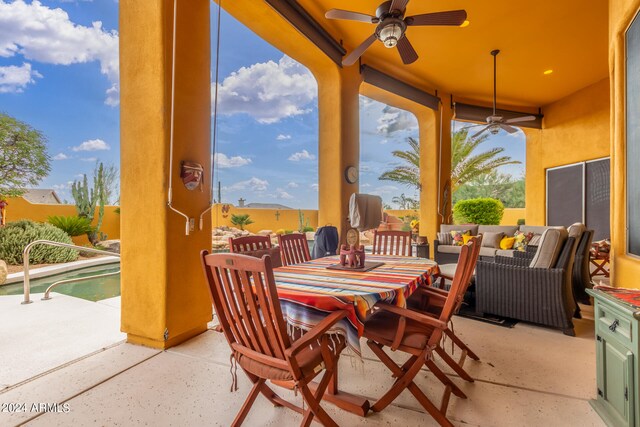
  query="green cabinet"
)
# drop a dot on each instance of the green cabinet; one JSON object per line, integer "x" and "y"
{"x": 617, "y": 400}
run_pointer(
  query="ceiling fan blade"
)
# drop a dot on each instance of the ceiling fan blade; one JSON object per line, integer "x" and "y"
{"x": 451, "y": 17}
{"x": 521, "y": 119}
{"x": 357, "y": 52}
{"x": 508, "y": 128}
{"x": 406, "y": 50}
{"x": 350, "y": 16}
{"x": 399, "y": 5}
{"x": 480, "y": 131}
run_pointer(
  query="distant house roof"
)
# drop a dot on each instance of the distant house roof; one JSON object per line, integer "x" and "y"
{"x": 42, "y": 196}
{"x": 266, "y": 206}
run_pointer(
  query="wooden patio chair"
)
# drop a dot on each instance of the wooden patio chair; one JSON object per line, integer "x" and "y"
{"x": 249, "y": 243}
{"x": 392, "y": 243}
{"x": 294, "y": 248}
{"x": 418, "y": 334}
{"x": 431, "y": 300}
{"x": 244, "y": 294}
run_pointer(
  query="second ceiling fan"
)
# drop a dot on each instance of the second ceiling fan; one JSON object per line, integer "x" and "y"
{"x": 494, "y": 121}
{"x": 392, "y": 26}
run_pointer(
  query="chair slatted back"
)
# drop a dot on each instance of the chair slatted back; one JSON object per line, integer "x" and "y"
{"x": 246, "y": 301}
{"x": 396, "y": 243}
{"x": 249, "y": 243}
{"x": 466, "y": 264}
{"x": 293, "y": 248}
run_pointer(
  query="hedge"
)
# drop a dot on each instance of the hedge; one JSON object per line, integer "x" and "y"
{"x": 485, "y": 211}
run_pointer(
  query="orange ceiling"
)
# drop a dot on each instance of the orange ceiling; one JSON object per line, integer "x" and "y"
{"x": 568, "y": 36}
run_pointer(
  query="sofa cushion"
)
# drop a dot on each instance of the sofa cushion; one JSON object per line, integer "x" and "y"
{"x": 448, "y": 228}
{"x": 449, "y": 249}
{"x": 445, "y": 238}
{"x": 458, "y": 236}
{"x": 535, "y": 240}
{"x": 576, "y": 229}
{"x": 505, "y": 252}
{"x": 508, "y": 230}
{"x": 507, "y": 242}
{"x": 491, "y": 239}
{"x": 549, "y": 248}
{"x": 488, "y": 252}
{"x": 447, "y": 270}
{"x": 522, "y": 240}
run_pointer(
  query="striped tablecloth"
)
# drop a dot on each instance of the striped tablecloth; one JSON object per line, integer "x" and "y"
{"x": 309, "y": 291}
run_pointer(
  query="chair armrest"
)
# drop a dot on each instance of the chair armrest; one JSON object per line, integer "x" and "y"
{"x": 316, "y": 332}
{"x": 515, "y": 261}
{"x": 413, "y": 315}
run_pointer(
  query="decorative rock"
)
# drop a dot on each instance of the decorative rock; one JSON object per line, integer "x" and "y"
{"x": 111, "y": 246}
{"x": 4, "y": 272}
{"x": 264, "y": 232}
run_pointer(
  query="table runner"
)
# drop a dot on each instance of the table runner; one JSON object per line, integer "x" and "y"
{"x": 308, "y": 292}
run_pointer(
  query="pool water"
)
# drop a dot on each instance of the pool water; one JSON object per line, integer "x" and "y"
{"x": 92, "y": 289}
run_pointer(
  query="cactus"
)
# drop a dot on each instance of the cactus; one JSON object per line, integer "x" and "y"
{"x": 87, "y": 199}
{"x": 300, "y": 220}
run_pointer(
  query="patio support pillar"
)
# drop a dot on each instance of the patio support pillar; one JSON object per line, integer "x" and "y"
{"x": 435, "y": 167}
{"x": 339, "y": 143}
{"x": 164, "y": 297}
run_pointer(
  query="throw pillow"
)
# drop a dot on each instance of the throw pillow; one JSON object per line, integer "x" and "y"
{"x": 466, "y": 238}
{"x": 521, "y": 240}
{"x": 492, "y": 240}
{"x": 445, "y": 238}
{"x": 458, "y": 240}
{"x": 507, "y": 243}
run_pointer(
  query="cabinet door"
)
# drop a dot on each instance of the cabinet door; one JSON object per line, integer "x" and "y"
{"x": 615, "y": 380}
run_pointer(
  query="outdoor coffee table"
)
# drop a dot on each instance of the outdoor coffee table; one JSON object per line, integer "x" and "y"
{"x": 308, "y": 292}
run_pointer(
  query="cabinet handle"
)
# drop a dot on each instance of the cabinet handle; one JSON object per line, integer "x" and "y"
{"x": 614, "y": 325}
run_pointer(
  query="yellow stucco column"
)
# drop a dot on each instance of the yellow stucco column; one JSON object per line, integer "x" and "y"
{"x": 338, "y": 144}
{"x": 536, "y": 179}
{"x": 435, "y": 167}
{"x": 164, "y": 297}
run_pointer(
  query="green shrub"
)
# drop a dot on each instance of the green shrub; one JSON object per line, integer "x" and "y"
{"x": 521, "y": 221}
{"x": 307, "y": 229}
{"x": 288, "y": 231}
{"x": 15, "y": 236}
{"x": 484, "y": 211}
{"x": 72, "y": 225}
{"x": 241, "y": 220}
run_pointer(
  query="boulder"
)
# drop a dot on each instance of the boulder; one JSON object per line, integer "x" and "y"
{"x": 4, "y": 272}
{"x": 111, "y": 246}
{"x": 265, "y": 232}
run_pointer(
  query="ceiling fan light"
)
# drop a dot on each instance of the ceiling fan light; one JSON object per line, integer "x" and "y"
{"x": 390, "y": 34}
{"x": 494, "y": 130}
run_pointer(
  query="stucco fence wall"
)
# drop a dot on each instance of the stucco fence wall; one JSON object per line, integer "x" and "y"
{"x": 264, "y": 219}
{"x": 20, "y": 208}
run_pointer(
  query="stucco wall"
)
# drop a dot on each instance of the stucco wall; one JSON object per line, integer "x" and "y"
{"x": 20, "y": 208}
{"x": 575, "y": 128}
{"x": 264, "y": 219}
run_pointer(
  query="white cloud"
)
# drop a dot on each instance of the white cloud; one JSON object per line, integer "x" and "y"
{"x": 281, "y": 194}
{"x": 89, "y": 159}
{"x": 385, "y": 190}
{"x": 395, "y": 120}
{"x": 60, "y": 156}
{"x": 92, "y": 145}
{"x": 268, "y": 91}
{"x": 13, "y": 79}
{"x": 47, "y": 35}
{"x": 315, "y": 187}
{"x": 253, "y": 184}
{"x": 301, "y": 155}
{"x": 224, "y": 162}
{"x": 365, "y": 185}
{"x": 283, "y": 137}
{"x": 292, "y": 185}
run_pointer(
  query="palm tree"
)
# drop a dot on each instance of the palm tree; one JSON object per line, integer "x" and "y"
{"x": 465, "y": 165}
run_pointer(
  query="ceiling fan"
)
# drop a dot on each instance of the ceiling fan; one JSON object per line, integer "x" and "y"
{"x": 494, "y": 121}
{"x": 392, "y": 26}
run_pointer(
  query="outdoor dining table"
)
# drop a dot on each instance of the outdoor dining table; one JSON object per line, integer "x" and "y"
{"x": 309, "y": 291}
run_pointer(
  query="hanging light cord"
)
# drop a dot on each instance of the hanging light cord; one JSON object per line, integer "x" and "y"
{"x": 214, "y": 138}
{"x": 171, "y": 131}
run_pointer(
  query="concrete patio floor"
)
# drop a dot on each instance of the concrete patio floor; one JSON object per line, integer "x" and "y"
{"x": 527, "y": 376}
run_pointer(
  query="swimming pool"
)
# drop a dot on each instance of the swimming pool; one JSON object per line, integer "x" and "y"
{"x": 92, "y": 289}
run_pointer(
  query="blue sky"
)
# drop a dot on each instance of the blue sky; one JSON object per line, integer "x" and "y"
{"x": 59, "y": 73}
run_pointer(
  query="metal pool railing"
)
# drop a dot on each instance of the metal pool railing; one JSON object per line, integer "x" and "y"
{"x": 25, "y": 255}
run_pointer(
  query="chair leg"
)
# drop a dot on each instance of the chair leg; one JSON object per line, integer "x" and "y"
{"x": 444, "y": 379}
{"x": 453, "y": 364}
{"x": 457, "y": 341}
{"x": 257, "y": 386}
{"x": 313, "y": 400}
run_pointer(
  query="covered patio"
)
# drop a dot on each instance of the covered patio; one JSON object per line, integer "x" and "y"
{"x": 174, "y": 367}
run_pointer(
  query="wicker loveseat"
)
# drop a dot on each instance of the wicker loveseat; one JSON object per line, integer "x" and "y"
{"x": 537, "y": 290}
